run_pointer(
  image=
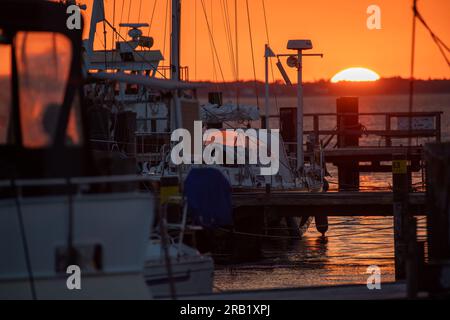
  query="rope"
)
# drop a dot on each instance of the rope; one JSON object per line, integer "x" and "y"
{"x": 440, "y": 44}
{"x": 259, "y": 235}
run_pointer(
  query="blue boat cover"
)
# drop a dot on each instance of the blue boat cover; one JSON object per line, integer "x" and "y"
{"x": 208, "y": 195}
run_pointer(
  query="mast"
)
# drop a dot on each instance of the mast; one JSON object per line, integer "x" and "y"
{"x": 236, "y": 49}
{"x": 98, "y": 15}
{"x": 175, "y": 40}
{"x": 267, "y": 54}
{"x": 300, "y": 155}
{"x": 176, "y": 120}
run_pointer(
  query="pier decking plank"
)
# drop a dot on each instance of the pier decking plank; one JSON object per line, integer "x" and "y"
{"x": 371, "y": 153}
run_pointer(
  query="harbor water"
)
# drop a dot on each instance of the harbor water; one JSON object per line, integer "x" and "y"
{"x": 352, "y": 244}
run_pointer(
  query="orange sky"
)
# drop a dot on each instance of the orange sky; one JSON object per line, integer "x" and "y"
{"x": 337, "y": 29}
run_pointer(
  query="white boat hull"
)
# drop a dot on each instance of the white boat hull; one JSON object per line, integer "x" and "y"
{"x": 192, "y": 273}
{"x": 109, "y": 235}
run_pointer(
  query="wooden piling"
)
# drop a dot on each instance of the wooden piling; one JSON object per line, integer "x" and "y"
{"x": 412, "y": 259}
{"x": 400, "y": 211}
{"x": 437, "y": 156}
{"x": 347, "y": 121}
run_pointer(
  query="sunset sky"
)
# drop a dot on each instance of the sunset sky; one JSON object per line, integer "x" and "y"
{"x": 337, "y": 29}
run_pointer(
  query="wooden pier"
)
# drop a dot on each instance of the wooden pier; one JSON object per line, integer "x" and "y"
{"x": 329, "y": 203}
{"x": 348, "y": 155}
{"x": 351, "y": 159}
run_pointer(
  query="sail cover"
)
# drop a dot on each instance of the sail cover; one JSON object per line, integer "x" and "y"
{"x": 208, "y": 195}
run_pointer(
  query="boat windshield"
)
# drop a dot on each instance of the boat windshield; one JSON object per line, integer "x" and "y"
{"x": 43, "y": 67}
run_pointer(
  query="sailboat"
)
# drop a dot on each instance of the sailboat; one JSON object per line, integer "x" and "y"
{"x": 132, "y": 85}
{"x": 124, "y": 87}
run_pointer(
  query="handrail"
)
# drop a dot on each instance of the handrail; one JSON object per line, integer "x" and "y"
{"x": 73, "y": 180}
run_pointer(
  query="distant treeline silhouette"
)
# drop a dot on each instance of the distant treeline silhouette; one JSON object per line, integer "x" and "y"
{"x": 388, "y": 86}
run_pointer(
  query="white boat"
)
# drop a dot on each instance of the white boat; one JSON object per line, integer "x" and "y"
{"x": 67, "y": 230}
{"x": 104, "y": 234}
{"x": 191, "y": 272}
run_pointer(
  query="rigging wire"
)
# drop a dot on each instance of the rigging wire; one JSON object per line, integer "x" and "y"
{"x": 211, "y": 38}
{"x": 440, "y": 44}
{"x": 212, "y": 31}
{"x": 151, "y": 18}
{"x": 411, "y": 77}
{"x": 129, "y": 11}
{"x": 233, "y": 62}
{"x": 195, "y": 40}
{"x": 24, "y": 239}
{"x": 114, "y": 23}
{"x": 236, "y": 50}
{"x": 121, "y": 17}
{"x": 139, "y": 13}
{"x": 229, "y": 40}
{"x": 104, "y": 39}
{"x": 165, "y": 29}
{"x": 253, "y": 53}
{"x": 270, "y": 60}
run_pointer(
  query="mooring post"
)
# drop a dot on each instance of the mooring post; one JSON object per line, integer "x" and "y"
{"x": 437, "y": 157}
{"x": 347, "y": 125}
{"x": 412, "y": 259}
{"x": 400, "y": 210}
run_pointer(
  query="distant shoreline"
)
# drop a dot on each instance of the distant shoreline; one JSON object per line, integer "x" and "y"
{"x": 384, "y": 86}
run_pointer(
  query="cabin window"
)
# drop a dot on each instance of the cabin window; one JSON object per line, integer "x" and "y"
{"x": 43, "y": 65}
{"x": 5, "y": 92}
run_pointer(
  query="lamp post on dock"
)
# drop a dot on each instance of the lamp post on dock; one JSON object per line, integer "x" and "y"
{"x": 296, "y": 61}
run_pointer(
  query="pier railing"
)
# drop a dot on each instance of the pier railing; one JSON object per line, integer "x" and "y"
{"x": 424, "y": 125}
{"x": 166, "y": 70}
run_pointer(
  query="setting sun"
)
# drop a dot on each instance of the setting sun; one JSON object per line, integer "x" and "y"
{"x": 355, "y": 74}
